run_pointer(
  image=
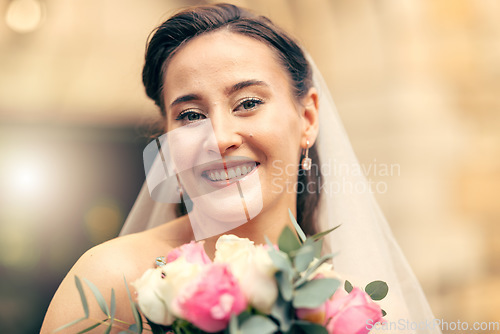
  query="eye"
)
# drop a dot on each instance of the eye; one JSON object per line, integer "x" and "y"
{"x": 190, "y": 116}
{"x": 249, "y": 104}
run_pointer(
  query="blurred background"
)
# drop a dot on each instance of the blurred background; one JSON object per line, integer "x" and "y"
{"x": 416, "y": 83}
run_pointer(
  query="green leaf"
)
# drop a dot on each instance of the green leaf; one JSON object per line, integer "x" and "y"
{"x": 309, "y": 327}
{"x": 284, "y": 285}
{"x": 309, "y": 271}
{"x": 137, "y": 317}
{"x": 258, "y": 324}
{"x": 113, "y": 304}
{"x": 280, "y": 261}
{"x": 98, "y": 296}
{"x": 318, "y": 246}
{"x": 288, "y": 241}
{"x": 377, "y": 290}
{"x": 243, "y": 316}
{"x": 320, "y": 235}
{"x": 233, "y": 325}
{"x": 112, "y": 311}
{"x": 314, "y": 293}
{"x": 282, "y": 311}
{"x": 304, "y": 257}
{"x": 69, "y": 324}
{"x": 299, "y": 231}
{"x": 88, "y": 329}
{"x": 384, "y": 313}
{"x": 82, "y": 296}
{"x": 348, "y": 286}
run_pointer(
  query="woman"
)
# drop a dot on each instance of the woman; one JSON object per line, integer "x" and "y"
{"x": 240, "y": 109}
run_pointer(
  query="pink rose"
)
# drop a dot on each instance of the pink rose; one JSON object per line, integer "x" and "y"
{"x": 193, "y": 252}
{"x": 351, "y": 313}
{"x": 209, "y": 301}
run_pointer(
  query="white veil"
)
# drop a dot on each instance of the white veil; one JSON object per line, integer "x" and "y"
{"x": 367, "y": 250}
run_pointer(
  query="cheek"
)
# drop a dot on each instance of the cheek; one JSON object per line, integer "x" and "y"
{"x": 281, "y": 132}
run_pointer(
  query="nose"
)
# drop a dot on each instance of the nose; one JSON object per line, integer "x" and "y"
{"x": 226, "y": 133}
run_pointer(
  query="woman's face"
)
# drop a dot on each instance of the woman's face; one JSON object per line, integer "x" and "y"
{"x": 230, "y": 109}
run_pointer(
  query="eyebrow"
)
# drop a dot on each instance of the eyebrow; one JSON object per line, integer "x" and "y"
{"x": 228, "y": 91}
{"x": 245, "y": 84}
{"x": 185, "y": 98}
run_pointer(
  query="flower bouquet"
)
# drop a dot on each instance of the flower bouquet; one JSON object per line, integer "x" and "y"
{"x": 247, "y": 288}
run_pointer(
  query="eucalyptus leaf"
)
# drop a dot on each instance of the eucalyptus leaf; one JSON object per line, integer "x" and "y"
{"x": 244, "y": 316}
{"x": 304, "y": 257}
{"x": 301, "y": 233}
{"x": 74, "y": 322}
{"x": 320, "y": 235}
{"x": 98, "y": 296}
{"x": 377, "y": 290}
{"x": 258, "y": 324}
{"x": 113, "y": 304}
{"x": 137, "y": 317}
{"x": 287, "y": 241}
{"x": 384, "y": 313}
{"x": 313, "y": 268}
{"x": 348, "y": 286}
{"x": 282, "y": 311}
{"x": 112, "y": 308}
{"x": 309, "y": 327}
{"x": 314, "y": 293}
{"x": 82, "y": 296}
{"x": 281, "y": 261}
{"x": 318, "y": 246}
{"x": 233, "y": 325}
{"x": 284, "y": 285}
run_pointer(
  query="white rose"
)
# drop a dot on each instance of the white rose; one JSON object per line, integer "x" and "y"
{"x": 150, "y": 301}
{"x": 253, "y": 268}
{"x": 177, "y": 275}
{"x": 158, "y": 288}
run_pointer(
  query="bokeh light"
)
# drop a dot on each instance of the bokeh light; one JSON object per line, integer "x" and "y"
{"x": 24, "y": 16}
{"x": 103, "y": 220}
{"x": 25, "y": 174}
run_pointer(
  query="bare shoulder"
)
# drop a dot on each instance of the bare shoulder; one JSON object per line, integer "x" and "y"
{"x": 106, "y": 266}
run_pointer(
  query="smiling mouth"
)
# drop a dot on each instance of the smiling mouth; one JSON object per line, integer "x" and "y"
{"x": 231, "y": 173}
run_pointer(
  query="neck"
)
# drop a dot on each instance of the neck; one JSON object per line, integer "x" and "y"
{"x": 268, "y": 224}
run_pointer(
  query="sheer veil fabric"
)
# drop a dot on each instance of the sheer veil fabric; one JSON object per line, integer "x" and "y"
{"x": 365, "y": 246}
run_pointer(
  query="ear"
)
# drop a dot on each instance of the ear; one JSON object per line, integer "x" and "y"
{"x": 309, "y": 115}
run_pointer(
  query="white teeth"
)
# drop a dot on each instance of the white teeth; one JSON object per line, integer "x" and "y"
{"x": 230, "y": 173}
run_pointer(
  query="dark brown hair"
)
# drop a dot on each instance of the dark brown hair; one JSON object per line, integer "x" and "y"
{"x": 166, "y": 39}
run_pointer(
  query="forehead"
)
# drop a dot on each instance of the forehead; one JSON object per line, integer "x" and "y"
{"x": 219, "y": 58}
